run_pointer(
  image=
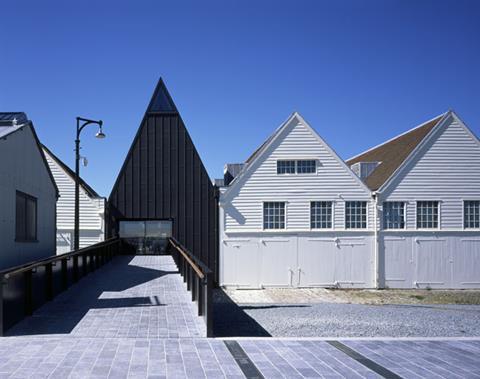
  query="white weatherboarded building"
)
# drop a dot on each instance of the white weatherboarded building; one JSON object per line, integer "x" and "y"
{"x": 92, "y": 208}
{"x": 296, "y": 215}
{"x": 27, "y": 194}
{"x": 427, "y": 185}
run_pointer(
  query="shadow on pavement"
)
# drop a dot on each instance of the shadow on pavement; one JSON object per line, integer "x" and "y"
{"x": 231, "y": 320}
{"x": 67, "y": 310}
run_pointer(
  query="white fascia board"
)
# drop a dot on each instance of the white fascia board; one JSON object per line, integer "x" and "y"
{"x": 333, "y": 153}
{"x": 465, "y": 127}
{"x": 248, "y": 167}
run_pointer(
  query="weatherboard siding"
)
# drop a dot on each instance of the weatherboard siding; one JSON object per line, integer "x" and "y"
{"x": 447, "y": 170}
{"x": 332, "y": 182}
{"x": 91, "y": 211}
{"x": 24, "y": 170}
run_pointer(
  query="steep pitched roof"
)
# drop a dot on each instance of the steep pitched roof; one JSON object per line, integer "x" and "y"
{"x": 89, "y": 190}
{"x": 265, "y": 145}
{"x": 393, "y": 153}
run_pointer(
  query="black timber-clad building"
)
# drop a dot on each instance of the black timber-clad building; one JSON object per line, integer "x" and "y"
{"x": 163, "y": 188}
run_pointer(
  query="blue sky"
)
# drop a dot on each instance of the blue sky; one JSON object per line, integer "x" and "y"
{"x": 359, "y": 71}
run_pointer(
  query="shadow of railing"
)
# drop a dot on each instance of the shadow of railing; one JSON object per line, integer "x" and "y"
{"x": 231, "y": 320}
{"x": 25, "y": 288}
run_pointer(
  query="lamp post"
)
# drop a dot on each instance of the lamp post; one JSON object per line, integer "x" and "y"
{"x": 81, "y": 123}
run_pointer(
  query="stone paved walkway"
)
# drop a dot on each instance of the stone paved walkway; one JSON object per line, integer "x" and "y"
{"x": 143, "y": 296}
{"x": 134, "y": 319}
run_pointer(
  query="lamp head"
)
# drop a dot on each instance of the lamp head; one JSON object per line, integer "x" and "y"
{"x": 100, "y": 133}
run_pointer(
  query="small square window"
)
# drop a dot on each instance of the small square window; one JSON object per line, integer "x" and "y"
{"x": 285, "y": 167}
{"x": 394, "y": 215}
{"x": 25, "y": 218}
{"x": 427, "y": 214}
{"x": 274, "y": 215}
{"x": 321, "y": 214}
{"x": 471, "y": 214}
{"x": 306, "y": 166}
{"x": 355, "y": 214}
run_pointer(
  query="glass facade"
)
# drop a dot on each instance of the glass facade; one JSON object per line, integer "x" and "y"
{"x": 146, "y": 237}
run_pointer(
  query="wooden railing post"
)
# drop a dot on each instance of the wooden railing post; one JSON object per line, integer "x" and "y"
{"x": 28, "y": 293}
{"x": 84, "y": 264}
{"x": 48, "y": 281}
{"x": 75, "y": 268}
{"x": 208, "y": 304}
{"x": 64, "y": 274}
{"x": 201, "y": 296}
{"x": 91, "y": 261}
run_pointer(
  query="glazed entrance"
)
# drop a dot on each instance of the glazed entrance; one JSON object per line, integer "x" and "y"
{"x": 146, "y": 237}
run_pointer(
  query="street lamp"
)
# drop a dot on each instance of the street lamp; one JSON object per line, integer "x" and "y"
{"x": 84, "y": 122}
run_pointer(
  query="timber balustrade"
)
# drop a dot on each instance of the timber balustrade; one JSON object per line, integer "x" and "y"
{"x": 25, "y": 288}
{"x": 199, "y": 279}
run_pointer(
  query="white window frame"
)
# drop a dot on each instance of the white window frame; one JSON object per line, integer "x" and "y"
{"x": 287, "y": 173}
{"x": 285, "y": 215}
{"x": 345, "y": 214}
{"x": 296, "y": 166}
{"x": 306, "y": 173}
{"x": 332, "y": 220}
{"x": 404, "y": 215}
{"x": 463, "y": 212}
{"x": 439, "y": 221}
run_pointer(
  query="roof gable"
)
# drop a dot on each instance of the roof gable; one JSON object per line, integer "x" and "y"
{"x": 281, "y": 133}
{"x": 68, "y": 171}
{"x": 393, "y": 153}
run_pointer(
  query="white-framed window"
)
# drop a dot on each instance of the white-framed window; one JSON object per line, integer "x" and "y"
{"x": 427, "y": 215}
{"x": 298, "y": 166}
{"x": 471, "y": 214}
{"x": 285, "y": 167}
{"x": 355, "y": 215}
{"x": 274, "y": 215}
{"x": 394, "y": 215}
{"x": 321, "y": 214}
{"x": 306, "y": 166}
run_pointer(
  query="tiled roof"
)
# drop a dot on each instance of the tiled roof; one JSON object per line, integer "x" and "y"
{"x": 393, "y": 153}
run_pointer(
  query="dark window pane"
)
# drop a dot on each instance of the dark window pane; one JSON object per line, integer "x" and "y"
{"x": 20, "y": 232}
{"x": 31, "y": 220}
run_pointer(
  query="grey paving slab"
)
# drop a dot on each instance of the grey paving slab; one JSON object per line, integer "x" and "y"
{"x": 141, "y": 296}
{"x": 133, "y": 318}
{"x": 423, "y": 359}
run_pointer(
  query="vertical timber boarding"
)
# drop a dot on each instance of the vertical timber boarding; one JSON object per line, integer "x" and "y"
{"x": 163, "y": 177}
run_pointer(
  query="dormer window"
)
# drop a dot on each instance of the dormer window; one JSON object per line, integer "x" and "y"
{"x": 364, "y": 169}
{"x": 299, "y": 166}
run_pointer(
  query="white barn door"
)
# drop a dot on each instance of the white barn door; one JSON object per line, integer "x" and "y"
{"x": 316, "y": 262}
{"x": 433, "y": 264}
{"x": 353, "y": 263}
{"x": 398, "y": 262}
{"x": 241, "y": 263}
{"x": 279, "y": 261}
{"x": 466, "y": 262}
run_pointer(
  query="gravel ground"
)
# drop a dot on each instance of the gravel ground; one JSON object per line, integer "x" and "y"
{"x": 367, "y": 296}
{"x": 344, "y": 320}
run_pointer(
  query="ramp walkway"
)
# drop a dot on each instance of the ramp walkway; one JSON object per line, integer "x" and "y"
{"x": 132, "y": 296}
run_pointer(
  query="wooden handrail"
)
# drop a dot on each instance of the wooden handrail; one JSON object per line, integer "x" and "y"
{"x": 31, "y": 265}
{"x": 199, "y": 267}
